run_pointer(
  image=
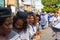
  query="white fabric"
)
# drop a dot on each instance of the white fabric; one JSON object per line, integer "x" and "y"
{"x": 58, "y": 18}
{"x": 35, "y": 29}
{"x": 46, "y": 17}
{"x": 38, "y": 26}
{"x": 57, "y": 26}
{"x": 53, "y": 19}
{"x": 24, "y": 35}
{"x": 57, "y": 23}
{"x": 13, "y": 8}
{"x": 31, "y": 30}
{"x": 15, "y": 37}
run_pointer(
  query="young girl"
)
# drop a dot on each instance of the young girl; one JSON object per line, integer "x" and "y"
{"x": 6, "y": 21}
{"x": 32, "y": 24}
{"x": 38, "y": 22}
{"x": 20, "y": 25}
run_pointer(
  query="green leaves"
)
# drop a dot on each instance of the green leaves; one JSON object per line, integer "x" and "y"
{"x": 50, "y": 5}
{"x": 49, "y": 2}
{"x": 48, "y": 9}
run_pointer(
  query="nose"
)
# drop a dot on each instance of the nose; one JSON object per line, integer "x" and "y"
{"x": 32, "y": 19}
{"x": 10, "y": 27}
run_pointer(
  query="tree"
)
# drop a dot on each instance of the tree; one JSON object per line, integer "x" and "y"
{"x": 45, "y": 9}
{"x": 50, "y": 5}
{"x": 46, "y": 2}
{"x": 49, "y": 2}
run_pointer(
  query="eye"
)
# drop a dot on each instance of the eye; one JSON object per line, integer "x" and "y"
{"x": 8, "y": 24}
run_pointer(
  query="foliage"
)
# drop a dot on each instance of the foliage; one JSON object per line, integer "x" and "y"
{"x": 50, "y": 5}
{"x": 49, "y": 2}
{"x": 48, "y": 9}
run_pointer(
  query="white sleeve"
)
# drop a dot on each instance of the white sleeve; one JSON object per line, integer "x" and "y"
{"x": 31, "y": 31}
{"x": 58, "y": 18}
{"x": 16, "y": 37}
{"x": 51, "y": 19}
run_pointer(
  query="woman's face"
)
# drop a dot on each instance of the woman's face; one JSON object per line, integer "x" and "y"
{"x": 19, "y": 23}
{"x": 37, "y": 19}
{"x": 31, "y": 19}
{"x": 6, "y": 27}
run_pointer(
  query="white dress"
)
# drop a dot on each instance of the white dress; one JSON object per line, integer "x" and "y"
{"x": 53, "y": 19}
{"x": 24, "y": 35}
{"x": 35, "y": 29}
{"x": 57, "y": 23}
{"x": 32, "y": 30}
{"x": 16, "y": 37}
{"x": 13, "y": 36}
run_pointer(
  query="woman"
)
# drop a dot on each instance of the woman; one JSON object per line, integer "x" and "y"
{"x": 38, "y": 22}
{"x": 20, "y": 25}
{"x": 32, "y": 24}
{"x": 56, "y": 27}
{"x": 6, "y": 21}
{"x": 43, "y": 21}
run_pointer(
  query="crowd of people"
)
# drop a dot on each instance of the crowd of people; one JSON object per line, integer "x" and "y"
{"x": 53, "y": 21}
{"x": 26, "y": 25}
{"x": 55, "y": 25}
{"x": 22, "y": 26}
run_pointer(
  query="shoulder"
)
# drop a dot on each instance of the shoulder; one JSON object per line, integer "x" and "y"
{"x": 12, "y": 35}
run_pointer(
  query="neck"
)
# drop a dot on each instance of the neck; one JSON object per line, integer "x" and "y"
{"x": 2, "y": 37}
{"x": 30, "y": 23}
{"x": 4, "y": 34}
{"x": 18, "y": 30}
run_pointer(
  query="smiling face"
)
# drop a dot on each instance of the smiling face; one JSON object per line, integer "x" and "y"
{"x": 31, "y": 19}
{"x": 37, "y": 19}
{"x": 19, "y": 23}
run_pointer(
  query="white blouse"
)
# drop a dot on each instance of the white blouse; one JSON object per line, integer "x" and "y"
{"x": 24, "y": 35}
{"x": 16, "y": 37}
{"x": 32, "y": 30}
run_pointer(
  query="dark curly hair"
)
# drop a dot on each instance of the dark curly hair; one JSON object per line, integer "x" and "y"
{"x": 2, "y": 20}
{"x": 32, "y": 14}
{"x": 38, "y": 16}
{"x": 24, "y": 27}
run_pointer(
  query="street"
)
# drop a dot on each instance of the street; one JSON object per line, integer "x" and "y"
{"x": 46, "y": 34}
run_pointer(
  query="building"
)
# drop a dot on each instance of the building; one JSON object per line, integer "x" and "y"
{"x": 11, "y": 2}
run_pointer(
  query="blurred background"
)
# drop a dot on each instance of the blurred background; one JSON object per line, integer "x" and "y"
{"x": 32, "y": 5}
